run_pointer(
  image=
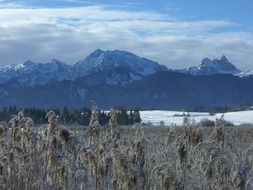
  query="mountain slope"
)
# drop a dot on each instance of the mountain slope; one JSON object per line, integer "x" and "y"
{"x": 162, "y": 90}
{"x": 31, "y": 74}
{"x": 117, "y": 67}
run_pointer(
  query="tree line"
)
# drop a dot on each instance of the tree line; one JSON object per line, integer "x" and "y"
{"x": 219, "y": 109}
{"x": 80, "y": 116}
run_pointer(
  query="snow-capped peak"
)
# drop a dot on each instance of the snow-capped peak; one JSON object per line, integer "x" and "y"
{"x": 17, "y": 67}
{"x": 126, "y": 66}
{"x": 31, "y": 73}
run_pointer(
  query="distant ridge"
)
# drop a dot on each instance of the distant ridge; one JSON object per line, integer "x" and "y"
{"x": 161, "y": 90}
{"x": 211, "y": 67}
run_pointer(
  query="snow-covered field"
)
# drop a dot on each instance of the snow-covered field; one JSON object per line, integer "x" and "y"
{"x": 173, "y": 117}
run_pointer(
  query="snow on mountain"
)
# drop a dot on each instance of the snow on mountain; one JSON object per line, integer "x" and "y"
{"x": 30, "y": 73}
{"x": 105, "y": 67}
{"x": 9, "y": 72}
{"x": 211, "y": 67}
{"x": 109, "y": 67}
{"x": 108, "y": 60}
{"x": 121, "y": 66}
{"x": 22, "y": 66}
{"x": 245, "y": 73}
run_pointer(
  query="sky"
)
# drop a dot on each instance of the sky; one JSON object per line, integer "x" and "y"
{"x": 176, "y": 33}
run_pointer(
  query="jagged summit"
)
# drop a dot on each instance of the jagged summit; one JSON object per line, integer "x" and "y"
{"x": 221, "y": 65}
{"x": 223, "y": 58}
{"x": 214, "y": 66}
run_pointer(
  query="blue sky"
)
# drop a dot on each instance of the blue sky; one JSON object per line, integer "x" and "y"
{"x": 176, "y": 33}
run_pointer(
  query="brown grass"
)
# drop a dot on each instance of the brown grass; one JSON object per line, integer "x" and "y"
{"x": 124, "y": 158}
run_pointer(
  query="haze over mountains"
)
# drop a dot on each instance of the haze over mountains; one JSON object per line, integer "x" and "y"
{"x": 114, "y": 78}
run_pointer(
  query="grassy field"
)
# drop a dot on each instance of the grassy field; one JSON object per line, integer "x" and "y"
{"x": 124, "y": 157}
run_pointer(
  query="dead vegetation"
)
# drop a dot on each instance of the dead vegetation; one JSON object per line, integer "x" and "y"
{"x": 119, "y": 158}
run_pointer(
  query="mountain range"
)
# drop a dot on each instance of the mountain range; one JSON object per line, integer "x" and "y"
{"x": 114, "y": 78}
{"x": 107, "y": 67}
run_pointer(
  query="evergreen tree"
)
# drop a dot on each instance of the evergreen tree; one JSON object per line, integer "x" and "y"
{"x": 137, "y": 117}
{"x": 122, "y": 117}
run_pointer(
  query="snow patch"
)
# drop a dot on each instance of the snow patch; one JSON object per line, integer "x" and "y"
{"x": 176, "y": 118}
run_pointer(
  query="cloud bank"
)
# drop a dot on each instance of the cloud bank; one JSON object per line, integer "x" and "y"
{"x": 70, "y": 34}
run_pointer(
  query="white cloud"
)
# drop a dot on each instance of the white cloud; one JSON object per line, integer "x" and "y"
{"x": 72, "y": 33}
